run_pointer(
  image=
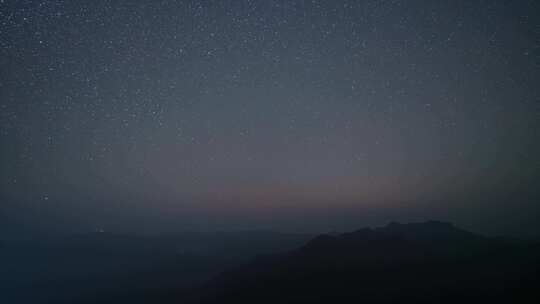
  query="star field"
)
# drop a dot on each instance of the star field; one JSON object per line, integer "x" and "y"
{"x": 257, "y": 113}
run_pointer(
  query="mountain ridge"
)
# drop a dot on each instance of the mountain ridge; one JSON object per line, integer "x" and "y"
{"x": 419, "y": 262}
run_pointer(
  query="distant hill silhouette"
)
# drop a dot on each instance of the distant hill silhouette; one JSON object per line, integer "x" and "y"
{"x": 430, "y": 262}
{"x": 103, "y": 267}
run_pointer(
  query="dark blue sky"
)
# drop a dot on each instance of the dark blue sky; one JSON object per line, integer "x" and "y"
{"x": 288, "y": 115}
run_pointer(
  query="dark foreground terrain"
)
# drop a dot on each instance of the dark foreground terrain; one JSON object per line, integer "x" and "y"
{"x": 104, "y": 267}
{"x": 431, "y": 262}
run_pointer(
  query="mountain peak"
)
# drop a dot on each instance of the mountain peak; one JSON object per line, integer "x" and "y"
{"x": 429, "y": 231}
{"x": 432, "y": 224}
{"x": 425, "y": 231}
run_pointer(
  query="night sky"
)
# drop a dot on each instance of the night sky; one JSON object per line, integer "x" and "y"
{"x": 149, "y": 116}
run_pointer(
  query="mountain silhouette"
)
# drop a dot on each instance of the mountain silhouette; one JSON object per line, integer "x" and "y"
{"x": 430, "y": 262}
